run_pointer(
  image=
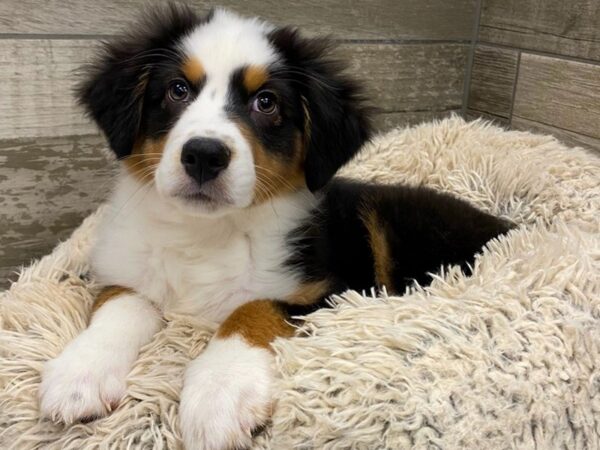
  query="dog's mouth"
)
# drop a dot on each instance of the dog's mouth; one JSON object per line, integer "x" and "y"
{"x": 196, "y": 197}
{"x": 204, "y": 196}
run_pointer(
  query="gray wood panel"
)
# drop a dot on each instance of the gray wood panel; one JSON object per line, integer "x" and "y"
{"x": 352, "y": 19}
{"x": 493, "y": 79}
{"x": 46, "y": 187}
{"x": 557, "y": 26}
{"x": 412, "y": 77}
{"x": 559, "y": 93}
{"x": 38, "y": 77}
{"x": 565, "y": 136}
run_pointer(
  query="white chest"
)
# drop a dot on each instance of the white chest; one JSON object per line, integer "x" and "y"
{"x": 197, "y": 266}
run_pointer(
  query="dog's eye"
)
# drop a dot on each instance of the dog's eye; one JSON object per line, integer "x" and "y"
{"x": 265, "y": 102}
{"x": 178, "y": 91}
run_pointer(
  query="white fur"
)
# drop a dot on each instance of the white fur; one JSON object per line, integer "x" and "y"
{"x": 226, "y": 395}
{"x": 88, "y": 378}
{"x": 227, "y": 43}
{"x": 204, "y": 266}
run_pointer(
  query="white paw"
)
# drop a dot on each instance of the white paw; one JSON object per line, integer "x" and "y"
{"x": 226, "y": 395}
{"x": 84, "y": 382}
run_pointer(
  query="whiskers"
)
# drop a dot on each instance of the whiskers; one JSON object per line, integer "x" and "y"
{"x": 143, "y": 171}
{"x": 270, "y": 183}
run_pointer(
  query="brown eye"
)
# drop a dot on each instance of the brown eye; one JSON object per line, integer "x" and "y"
{"x": 265, "y": 102}
{"x": 178, "y": 91}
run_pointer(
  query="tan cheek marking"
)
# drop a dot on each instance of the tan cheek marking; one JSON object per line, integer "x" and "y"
{"x": 254, "y": 77}
{"x": 145, "y": 157}
{"x": 310, "y": 292}
{"x": 193, "y": 70}
{"x": 382, "y": 257}
{"x": 274, "y": 176}
{"x": 258, "y": 322}
{"x": 107, "y": 294}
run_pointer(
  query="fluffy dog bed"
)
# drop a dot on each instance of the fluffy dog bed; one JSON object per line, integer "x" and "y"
{"x": 506, "y": 358}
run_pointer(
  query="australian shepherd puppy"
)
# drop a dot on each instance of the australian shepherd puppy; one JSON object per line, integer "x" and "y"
{"x": 229, "y": 132}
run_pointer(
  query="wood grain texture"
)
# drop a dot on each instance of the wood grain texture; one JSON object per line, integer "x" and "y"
{"x": 39, "y": 76}
{"x": 411, "y": 77}
{"x": 565, "y": 136}
{"x": 559, "y": 93}
{"x": 493, "y": 79}
{"x": 557, "y": 26}
{"x": 352, "y": 19}
{"x": 47, "y": 186}
{"x": 36, "y": 89}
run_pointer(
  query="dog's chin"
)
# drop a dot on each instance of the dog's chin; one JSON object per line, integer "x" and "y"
{"x": 214, "y": 198}
{"x": 201, "y": 204}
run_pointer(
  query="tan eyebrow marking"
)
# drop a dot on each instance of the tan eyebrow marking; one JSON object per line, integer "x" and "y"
{"x": 254, "y": 77}
{"x": 193, "y": 70}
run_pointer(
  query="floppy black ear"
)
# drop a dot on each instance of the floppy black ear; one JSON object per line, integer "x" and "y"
{"x": 113, "y": 91}
{"x": 337, "y": 122}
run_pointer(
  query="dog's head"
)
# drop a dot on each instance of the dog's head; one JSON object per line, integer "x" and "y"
{"x": 223, "y": 112}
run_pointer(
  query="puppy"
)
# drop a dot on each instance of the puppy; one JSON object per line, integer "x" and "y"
{"x": 229, "y": 132}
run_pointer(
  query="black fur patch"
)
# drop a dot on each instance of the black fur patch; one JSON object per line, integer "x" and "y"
{"x": 424, "y": 230}
{"x": 124, "y": 87}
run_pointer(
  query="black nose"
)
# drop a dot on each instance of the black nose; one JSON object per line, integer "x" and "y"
{"x": 204, "y": 158}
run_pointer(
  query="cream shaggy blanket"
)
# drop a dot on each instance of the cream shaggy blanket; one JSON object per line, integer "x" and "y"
{"x": 508, "y": 357}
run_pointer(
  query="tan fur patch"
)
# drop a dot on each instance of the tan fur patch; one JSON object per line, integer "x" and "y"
{"x": 309, "y": 293}
{"x": 107, "y": 294}
{"x": 381, "y": 251}
{"x": 258, "y": 322}
{"x": 254, "y": 78}
{"x": 193, "y": 70}
{"x": 145, "y": 158}
{"x": 274, "y": 175}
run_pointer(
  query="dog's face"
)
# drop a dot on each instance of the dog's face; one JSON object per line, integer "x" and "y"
{"x": 224, "y": 112}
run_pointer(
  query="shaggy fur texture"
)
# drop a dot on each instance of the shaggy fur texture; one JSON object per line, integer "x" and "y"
{"x": 506, "y": 358}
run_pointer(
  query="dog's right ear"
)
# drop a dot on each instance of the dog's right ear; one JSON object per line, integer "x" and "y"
{"x": 114, "y": 88}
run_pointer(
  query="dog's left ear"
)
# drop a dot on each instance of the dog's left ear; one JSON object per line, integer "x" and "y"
{"x": 337, "y": 123}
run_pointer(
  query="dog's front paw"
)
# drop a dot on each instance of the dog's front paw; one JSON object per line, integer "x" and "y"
{"x": 84, "y": 382}
{"x": 226, "y": 395}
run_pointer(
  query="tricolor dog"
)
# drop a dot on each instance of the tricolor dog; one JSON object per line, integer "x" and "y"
{"x": 229, "y": 131}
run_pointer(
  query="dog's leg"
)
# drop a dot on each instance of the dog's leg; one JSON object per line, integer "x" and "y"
{"x": 227, "y": 389}
{"x": 87, "y": 380}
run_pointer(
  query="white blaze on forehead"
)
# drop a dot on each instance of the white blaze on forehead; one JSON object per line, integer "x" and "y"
{"x": 229, "y": 42}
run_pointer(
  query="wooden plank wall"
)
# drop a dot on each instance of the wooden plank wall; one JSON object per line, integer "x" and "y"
{"x": 536, "y": 67}
{"x": 412, "y": 55}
